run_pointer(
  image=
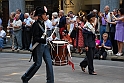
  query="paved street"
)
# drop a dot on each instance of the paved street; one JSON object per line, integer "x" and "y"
{"x": 13, "y": 65}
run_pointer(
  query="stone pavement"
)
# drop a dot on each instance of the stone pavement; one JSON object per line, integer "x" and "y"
{"x": 14, "y": 65}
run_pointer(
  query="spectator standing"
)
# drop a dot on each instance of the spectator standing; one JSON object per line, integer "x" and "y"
{"x": 55, "y": 23}
{"x": 0, "y": 18}
{"x": 62, "y": 23}
{"x": 21, "y": 16}
{"x": 27, "y": 24}
{"x": 48, "y": 26}
{"x": 72, "y": 20}
{"x": 0, "y": 21}
{"x": 10, "y": 28}
{"x": 2, "y": 36}
{"x": 105, "y": 26}
{"x": 79, "y": 40}
{"x": 32, "y": 17}
{"x": 17, "y": 28}
{"x": 119, "y": 34}
{"x": 96, "y": 19}
{"x": 100, "y": 14}
{"x": 112, "y": 32}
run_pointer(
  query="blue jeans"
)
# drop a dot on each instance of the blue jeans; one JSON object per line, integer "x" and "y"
{"x": 18, "y": 39}
{"x": 102, "y": 30}
{"x": 1, "y": 42}
{"x": 40, "y": 51}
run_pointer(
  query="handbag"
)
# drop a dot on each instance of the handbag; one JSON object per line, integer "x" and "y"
{"x": 73, "y": 34}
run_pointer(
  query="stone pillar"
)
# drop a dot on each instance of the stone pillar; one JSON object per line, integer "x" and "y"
{"x": 72, "y": 5}
{"x": 111, "y": 3}
{"x": 14, "y": 4}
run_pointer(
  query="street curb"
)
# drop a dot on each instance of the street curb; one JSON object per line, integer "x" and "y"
{"x": 109, "y": 57}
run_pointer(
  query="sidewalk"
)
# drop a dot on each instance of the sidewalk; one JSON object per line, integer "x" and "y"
{"x": 7, "y": 49}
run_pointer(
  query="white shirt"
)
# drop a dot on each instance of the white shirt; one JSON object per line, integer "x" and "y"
{"x": 17, "y": 23}
{"x": 48, "y": 24}
{"x": 109, "y": 19}
{"x": 2, "y": 33}
{"x": 72, "y": 24}
{"x": 55, "y": 21}
{"x": 28, "y": 21}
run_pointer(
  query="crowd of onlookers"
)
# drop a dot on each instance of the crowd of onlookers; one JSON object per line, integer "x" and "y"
{"x": 109, "y": 24}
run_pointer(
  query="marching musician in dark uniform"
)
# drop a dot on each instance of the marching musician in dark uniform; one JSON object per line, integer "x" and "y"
{"x": 41, "y": 50}
{"x": 89, "y": 42}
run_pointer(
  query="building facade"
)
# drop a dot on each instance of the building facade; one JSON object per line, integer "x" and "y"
{"x": 88, "y": 5}
{"x": 7, "y": 6}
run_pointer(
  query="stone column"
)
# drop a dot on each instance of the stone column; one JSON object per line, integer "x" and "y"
{"x": 111, "y": 3}
{"x": 14, "y": 4}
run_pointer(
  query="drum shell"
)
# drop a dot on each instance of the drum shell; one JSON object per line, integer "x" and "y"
{"x": 59, "y": 55}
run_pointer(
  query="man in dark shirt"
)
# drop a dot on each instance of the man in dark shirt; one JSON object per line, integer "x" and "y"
{"x": 62, "y": 22}
{"x": 18, "y": 11}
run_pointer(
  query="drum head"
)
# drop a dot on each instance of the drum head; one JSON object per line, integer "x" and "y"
{"x": 59, "y": 42}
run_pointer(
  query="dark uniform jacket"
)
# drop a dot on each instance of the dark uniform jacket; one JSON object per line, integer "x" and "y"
{"x": 89, "y": 40}
{"x": 37, "y": 34}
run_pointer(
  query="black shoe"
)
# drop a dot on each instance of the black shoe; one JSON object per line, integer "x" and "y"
{"x": 83, "y": 69}
{"x": 24, "y": 80}
{"x": 92, "y": 73}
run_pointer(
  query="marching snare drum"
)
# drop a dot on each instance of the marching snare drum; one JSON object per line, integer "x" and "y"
{"x": 59, "y": 54}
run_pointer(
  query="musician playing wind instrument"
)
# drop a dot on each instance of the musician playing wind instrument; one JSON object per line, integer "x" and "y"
{"x": 41, "y": 49}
